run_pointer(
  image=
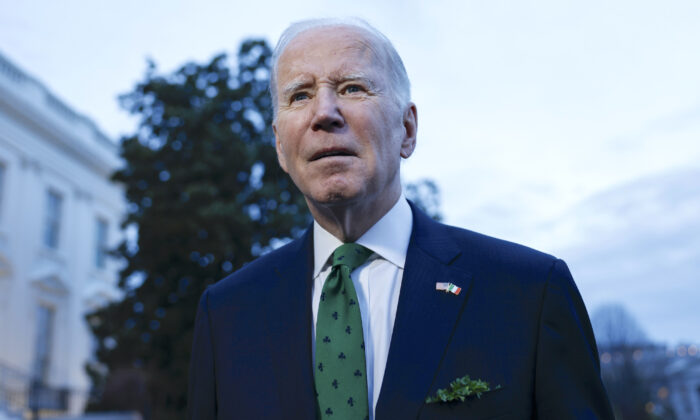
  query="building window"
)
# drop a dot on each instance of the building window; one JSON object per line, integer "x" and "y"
{"x": 52, "y": 225}
{"x": 42, "y": 348}
{"x": 101, "y": 243}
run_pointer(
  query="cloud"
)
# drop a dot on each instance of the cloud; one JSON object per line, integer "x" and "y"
{"x": 639, "y": 244}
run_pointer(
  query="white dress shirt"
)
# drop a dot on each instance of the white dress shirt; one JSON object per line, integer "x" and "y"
{"x": 377, "y": 283}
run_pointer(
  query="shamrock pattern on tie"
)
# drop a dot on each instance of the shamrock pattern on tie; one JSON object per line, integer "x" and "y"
{"x": 340, "y": 379}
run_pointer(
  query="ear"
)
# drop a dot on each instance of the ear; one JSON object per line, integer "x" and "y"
{"x": 410, "y": 125}
{"x": 280, "y": 149}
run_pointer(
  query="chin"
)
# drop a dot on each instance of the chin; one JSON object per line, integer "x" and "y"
{"x": 337, "y": 190}
{"x": 335, "y": 197}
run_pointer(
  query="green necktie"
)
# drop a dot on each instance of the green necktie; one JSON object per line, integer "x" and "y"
{"x": 339, "y": 374}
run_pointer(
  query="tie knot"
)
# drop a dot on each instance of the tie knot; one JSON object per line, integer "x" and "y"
{"x": 351, "y": 255}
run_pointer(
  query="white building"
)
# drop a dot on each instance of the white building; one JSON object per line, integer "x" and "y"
{"x": 59, "y": 212}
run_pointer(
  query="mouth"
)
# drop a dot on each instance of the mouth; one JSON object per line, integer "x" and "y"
{"x": 331, "y": 152}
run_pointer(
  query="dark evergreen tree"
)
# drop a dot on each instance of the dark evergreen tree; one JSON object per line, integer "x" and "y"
{"x": 206, "y": 194}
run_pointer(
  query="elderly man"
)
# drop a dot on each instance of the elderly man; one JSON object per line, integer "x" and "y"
{"x": 377, "y": 309}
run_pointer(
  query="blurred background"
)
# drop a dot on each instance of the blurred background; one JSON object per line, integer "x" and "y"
{"x": 137, "y": 167}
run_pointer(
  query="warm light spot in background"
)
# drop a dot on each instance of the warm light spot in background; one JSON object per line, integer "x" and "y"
{"x": 649, "y": 407}
{"x": 681, "y": 351}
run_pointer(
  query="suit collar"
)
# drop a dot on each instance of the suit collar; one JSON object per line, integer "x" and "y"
{"x": 432, "y": 237}
{"x": 425, "y": 319}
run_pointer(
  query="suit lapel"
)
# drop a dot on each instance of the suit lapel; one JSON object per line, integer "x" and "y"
{"x": 290, "y": 338}
{"x": 425, "y": 320}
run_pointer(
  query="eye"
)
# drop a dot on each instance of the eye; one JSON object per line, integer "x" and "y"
{"x": 353, "y": 89}
{"x": 299, "y": 96}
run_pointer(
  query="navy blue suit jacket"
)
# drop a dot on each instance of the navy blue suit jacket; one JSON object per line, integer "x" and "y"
{"x": 519, "y": 322}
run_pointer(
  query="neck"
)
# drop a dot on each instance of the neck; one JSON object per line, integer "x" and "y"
{"x": 348, "y": 222}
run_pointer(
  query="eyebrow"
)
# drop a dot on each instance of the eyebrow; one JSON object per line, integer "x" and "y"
{"x": 298, "y": 84}
{"x": 356, "y": 77}
{"x": 294, "y": 86}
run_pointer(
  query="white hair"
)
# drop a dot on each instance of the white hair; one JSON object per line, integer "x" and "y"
{"x": 400, "y": 86}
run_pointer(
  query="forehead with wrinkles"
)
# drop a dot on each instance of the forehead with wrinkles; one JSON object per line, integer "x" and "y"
{"x": 346, "y": 48}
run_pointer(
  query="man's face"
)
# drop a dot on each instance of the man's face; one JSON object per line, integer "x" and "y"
{"x": 340, "y": 134}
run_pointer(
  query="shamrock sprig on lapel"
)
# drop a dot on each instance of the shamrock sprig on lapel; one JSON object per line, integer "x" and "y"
{"x": 460, "y": 389}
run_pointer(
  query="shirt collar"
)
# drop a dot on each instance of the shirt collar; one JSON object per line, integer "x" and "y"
{"x": 388, "y": 237}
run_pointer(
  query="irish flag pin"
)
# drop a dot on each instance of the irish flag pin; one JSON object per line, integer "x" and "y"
{"x": 448, "y": 288}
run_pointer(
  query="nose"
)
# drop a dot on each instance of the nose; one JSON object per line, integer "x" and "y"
{"x": 327, "y": 115}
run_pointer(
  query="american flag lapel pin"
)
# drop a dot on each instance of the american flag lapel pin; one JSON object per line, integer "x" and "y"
{"x": 448, "y": 288}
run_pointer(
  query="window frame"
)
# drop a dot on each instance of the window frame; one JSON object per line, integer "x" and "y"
{"x": 53, "y": 213}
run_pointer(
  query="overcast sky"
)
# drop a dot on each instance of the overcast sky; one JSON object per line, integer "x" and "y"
{"x": 572, "y": 127}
